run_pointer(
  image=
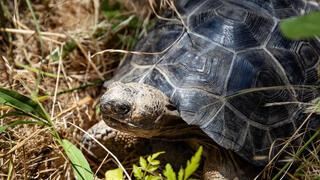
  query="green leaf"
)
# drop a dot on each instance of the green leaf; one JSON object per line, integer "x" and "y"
{"x": 193, "y": 164}
{"x": 180, "y": 174}
{"x": 137, "y": 172}
{"x": 169, "y": 173}
{"x": 143, "y": 163}
{"x": 152, "y": 178}
{"x": 115, "y": 174}
{"x": 3, "y": 128}
{"x": 154, "y": 156}
{"x": 78, "y": 161}
{"x": 155, "y": 162}
{"x": 152, "y": 168}
{"x": 20, "y": 102}
{"x": 302, "y": 26}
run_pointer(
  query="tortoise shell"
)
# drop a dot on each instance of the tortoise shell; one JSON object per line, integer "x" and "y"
{"x": 224, "y": 70}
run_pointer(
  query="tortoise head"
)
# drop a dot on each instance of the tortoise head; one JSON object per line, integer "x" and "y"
{"x": 136, "y": 108}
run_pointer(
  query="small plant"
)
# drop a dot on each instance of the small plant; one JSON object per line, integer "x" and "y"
{"x": 147, "y": 169}
{"x": 25, "y": 106}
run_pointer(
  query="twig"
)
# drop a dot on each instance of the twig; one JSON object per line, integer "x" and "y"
{"x": 88, "y": 58}
{"x": 137, "y": 52}
{"x": 83, "y": 101}
{"x": 115, "y": 158}
{"x": 158, "y": 16}
{"x": 21, "y": 31}
{"x": 24, "y": 163}
{"x": 24, "y": 141}
{"x": 57, "y": 82}
{"x": 98, "y": 169}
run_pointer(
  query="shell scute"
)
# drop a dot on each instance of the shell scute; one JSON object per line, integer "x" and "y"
{"x": 157, "y": 79}
{"x": 243, "y": 29}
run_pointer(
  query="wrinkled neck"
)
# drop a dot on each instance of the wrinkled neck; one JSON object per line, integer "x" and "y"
{"x": 178, "y": 130}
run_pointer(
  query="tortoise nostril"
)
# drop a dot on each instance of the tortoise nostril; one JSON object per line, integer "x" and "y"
{"x": 105, "y": 108}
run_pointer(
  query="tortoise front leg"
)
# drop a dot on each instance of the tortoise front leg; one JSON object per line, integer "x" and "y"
{"x": 119, "y": 143}
{"x": 123, "y": 144}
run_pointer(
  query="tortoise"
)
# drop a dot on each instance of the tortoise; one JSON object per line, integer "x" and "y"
{"x": 227, "y": 70}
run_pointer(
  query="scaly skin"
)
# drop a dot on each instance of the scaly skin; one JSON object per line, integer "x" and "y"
{"x": 119, "y": 143}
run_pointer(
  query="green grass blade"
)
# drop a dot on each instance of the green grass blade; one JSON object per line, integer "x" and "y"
{"x": 41, "y": 44}
{"x": 10, "y": 170}
{"x": 21, "y": 102}
{"x": 37, "y": 26}
{"x": 37, "y": 70}
{"x": 76, "y": 88}
{"x": 78, "y": 161}
{"x": 3, "y": 128}
{"x": 15, "y": 113}
{"x": 302, "y": 26}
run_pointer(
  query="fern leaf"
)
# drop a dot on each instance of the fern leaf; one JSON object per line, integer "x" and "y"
{"x": 169, "y": 173}
{"x": 193, "y": 164}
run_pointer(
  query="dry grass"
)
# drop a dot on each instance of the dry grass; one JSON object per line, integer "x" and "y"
{"x": 36, "y": 154}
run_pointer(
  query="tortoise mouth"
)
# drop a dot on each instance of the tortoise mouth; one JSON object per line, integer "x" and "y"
{"x": 118, "y": 124}
{"x": 180, "y": 131}
{"x": 127, "y": 127}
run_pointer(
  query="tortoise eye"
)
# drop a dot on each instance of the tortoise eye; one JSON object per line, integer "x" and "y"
{"x": 121, "y": 107}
